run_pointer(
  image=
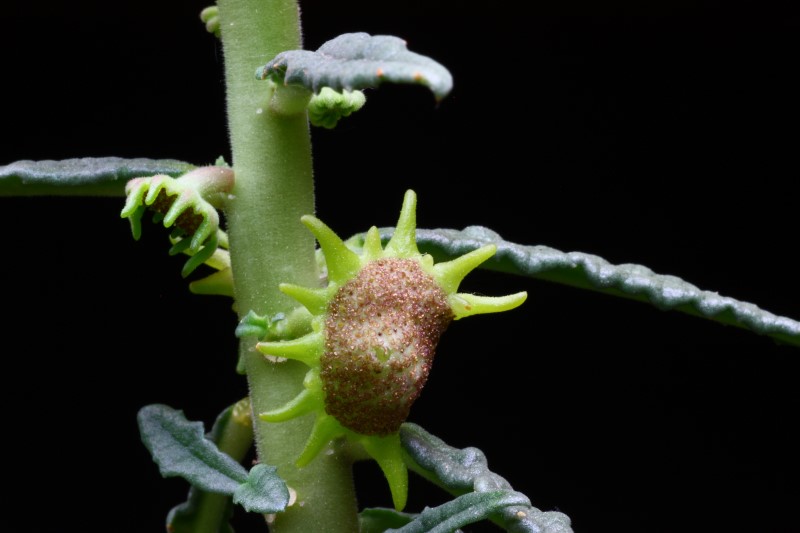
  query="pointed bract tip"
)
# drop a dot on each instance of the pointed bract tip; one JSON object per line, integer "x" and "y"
{"x": 404, "y": 240}
{"x": 342, "y": 262}
{"x": 464, "y": 305}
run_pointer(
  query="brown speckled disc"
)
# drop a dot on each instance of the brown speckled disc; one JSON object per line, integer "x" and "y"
{"x": 380, "y": 336}
{"x": 188, "y": 221}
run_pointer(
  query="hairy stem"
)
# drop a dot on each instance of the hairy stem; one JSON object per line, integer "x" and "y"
{"x": 269, "y": 245}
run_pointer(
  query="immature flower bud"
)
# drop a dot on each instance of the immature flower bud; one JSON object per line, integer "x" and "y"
{"x": 187, "y": 204}
{"x": 328, "y": 107}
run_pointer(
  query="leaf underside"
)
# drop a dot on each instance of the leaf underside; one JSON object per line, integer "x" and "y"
{"x": 591, "y": 272}
{"x": 482, "y": 493}
{"x": 357, "y": 61}
{"x": 88, "y": 176}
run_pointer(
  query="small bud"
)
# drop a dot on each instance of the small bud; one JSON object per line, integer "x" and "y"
{"x": 328, "y": 107}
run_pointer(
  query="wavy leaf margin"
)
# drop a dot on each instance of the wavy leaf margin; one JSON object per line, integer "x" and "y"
{"x": 587, "y": 271}
{"x": 481, "y": 493}
{"x": 357, "y": 61}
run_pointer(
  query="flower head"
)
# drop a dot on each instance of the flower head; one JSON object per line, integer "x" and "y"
{"x": 375, "y": 330}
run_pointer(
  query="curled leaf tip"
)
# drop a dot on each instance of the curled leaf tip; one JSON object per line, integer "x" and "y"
{"x": 357, "y": 61}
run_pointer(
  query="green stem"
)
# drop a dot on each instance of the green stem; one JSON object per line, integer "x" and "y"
{"x": 268, "y": 245}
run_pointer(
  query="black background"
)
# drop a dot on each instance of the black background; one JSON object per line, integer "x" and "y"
{"x": 665, "y": 136}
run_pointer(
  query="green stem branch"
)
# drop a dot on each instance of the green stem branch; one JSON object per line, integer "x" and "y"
{"x": 268, "y": 245}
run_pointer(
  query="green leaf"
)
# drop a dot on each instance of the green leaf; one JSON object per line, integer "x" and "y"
{"x": 466, "y": 509}
{"x": 89, "y": 176}
{"x": 586, "y": 271}
{"x": 379, "y": 519}
{"x": 180, "y": 448}
{"x": 263, "y": 492}
{"x": 357, "y": 61}
{"x": 204, "y": 512}
{"x": 466, "y": 472}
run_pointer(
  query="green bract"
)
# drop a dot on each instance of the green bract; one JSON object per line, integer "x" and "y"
{"x": 189, "y": 204}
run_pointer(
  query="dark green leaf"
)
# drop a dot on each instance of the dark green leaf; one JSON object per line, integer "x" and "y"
{"x": 464, "y": 470}
{"x": 263, "y": 492}
{"x": 588, "y": 271}
{"x": 466, "y": 509}
{"x": 89, "y": 176}
{"x": 458, "y": 470}
{"x": 357, "y": 61}
{"x": 378, "y": 520}
{"x": 205, "y": 511}
{"x": 180, "y": 448}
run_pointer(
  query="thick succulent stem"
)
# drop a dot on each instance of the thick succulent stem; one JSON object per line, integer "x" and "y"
{"x": 269, "y": 245}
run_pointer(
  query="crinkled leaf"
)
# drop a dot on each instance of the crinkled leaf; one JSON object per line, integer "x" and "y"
{"x": 234, "y": 438}
{"x": 379, "y": 519}
{"x": 357, "y": 61}
{"x": 263, "y": 492}
{"x": 180, "y": 448}
{"x": 466, "y": 470}
{"x": 466, "y": 509}
{"x": 88, "y": 176}
{"x": 588, "y": 271}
